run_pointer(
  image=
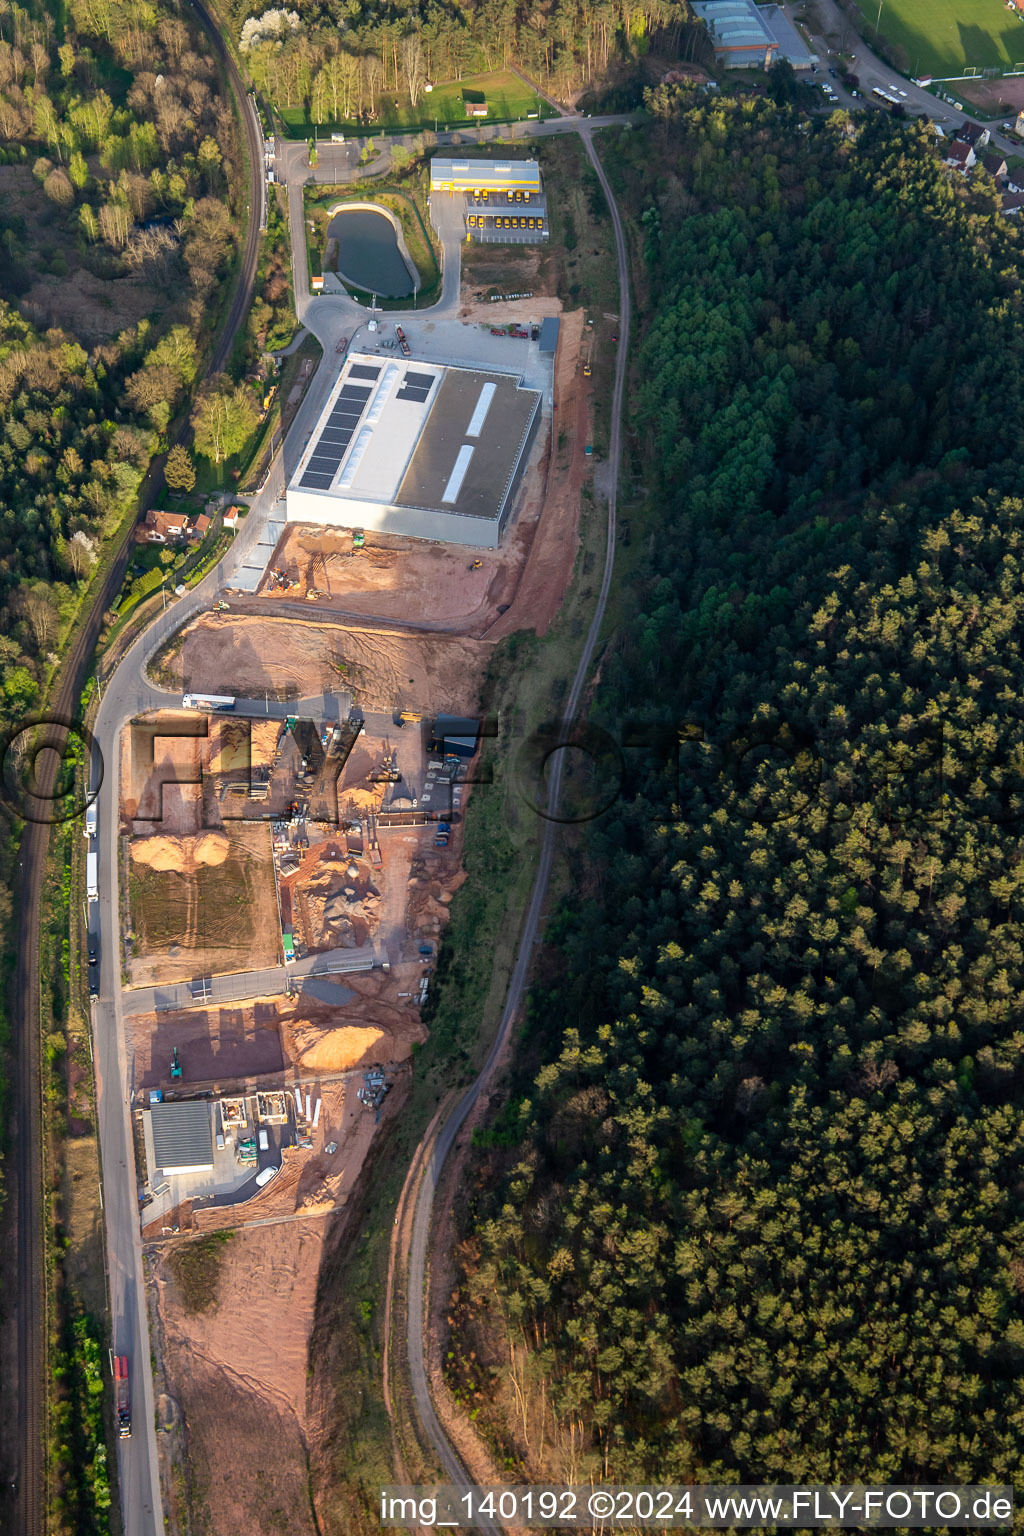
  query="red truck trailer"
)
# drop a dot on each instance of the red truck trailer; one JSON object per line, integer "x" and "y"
{"x": 122, "y": 1396}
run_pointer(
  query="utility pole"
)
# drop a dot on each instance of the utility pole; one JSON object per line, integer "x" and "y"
{"x": 878, "y": 19}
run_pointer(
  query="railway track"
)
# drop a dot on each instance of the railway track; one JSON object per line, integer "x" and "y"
{"x": 23, "y": 1507}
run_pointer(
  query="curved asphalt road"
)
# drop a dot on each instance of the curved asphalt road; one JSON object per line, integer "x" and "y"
{"x": 517, "y": 985}
{"x": 128, "y": 692}
{"x": 138, "y": 1469}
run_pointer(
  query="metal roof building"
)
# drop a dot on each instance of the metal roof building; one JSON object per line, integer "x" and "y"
{"x": 425, "y": 450}
{"x": 549, "y": 329}
{"x": 484, "y": 175}
{"x": 182, "y": 1136}
{"x": 455, "y": 734}
{"x": 740, "y": 34}
{"x": 791, "y": 44}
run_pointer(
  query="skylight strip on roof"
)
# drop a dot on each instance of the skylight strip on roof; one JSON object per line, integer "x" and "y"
{"x": 483, "y": 405}
{"x": 458, "y": 474}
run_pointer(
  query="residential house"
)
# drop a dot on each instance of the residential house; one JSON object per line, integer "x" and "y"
{"x": 995, "y": 165}
{"x": 1012, "y": 203}
{"x": 165, "y": 527}
{"x": 200, "y": 528}
{"x": 961, "y": 156}
{"x": 231, "y": 518}
{"x": 476, "y": 109}
{"x": 973, "y": 134}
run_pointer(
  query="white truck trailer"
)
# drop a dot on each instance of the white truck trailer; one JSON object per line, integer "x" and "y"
{"x": 208, "y": 701}
{"x": 92, "y": 876}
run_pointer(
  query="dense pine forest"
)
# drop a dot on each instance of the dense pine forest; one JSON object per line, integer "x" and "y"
{"x": 755, "y": 1213}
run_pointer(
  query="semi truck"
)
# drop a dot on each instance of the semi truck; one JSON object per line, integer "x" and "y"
{"x": 91, "y": 820}
{"x": 122, "y": 1397}
{"x": 92, "y": 876}
{"x": 208, "y": 701}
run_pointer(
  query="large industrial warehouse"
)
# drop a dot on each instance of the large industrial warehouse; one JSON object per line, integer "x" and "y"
{"x": 419, "y": 449}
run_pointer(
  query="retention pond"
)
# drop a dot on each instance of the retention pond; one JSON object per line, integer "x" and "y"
{"x": 369, "y": 256}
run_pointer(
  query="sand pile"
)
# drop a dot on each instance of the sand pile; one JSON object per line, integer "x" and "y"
{"x": 336, "y": 1050}
{"x": 364, "y": 799}
{"x": 161, "y": 853}
{"x": 180, "y": 853}
{"x": 211, "y": 848}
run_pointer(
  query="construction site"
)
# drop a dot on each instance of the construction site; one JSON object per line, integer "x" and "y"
{"x": 346, "y": 832}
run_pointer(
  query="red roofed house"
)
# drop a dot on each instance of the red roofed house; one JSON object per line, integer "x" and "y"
{"x": 199, "y": 528}
{"x": 165, "y": 527}
{"x": 961, "y": 155}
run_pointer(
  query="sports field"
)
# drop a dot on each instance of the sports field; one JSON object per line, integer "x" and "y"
{"x": 944, "y": 37}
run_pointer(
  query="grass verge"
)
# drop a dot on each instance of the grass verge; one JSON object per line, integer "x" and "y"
{"x": 195, "y": 1266}
{"x": 508, "y": 99}
{"x": 525, "y": 685}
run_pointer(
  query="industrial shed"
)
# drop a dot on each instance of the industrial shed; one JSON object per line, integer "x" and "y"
{"x": 182, "y": 1136}
{"x": 740, "y": 34}
{"x": 478, "y": 176}
{"x": 424, "y": 450}
{"x": 454, "y": 734}
{"x": 502, "y": 200}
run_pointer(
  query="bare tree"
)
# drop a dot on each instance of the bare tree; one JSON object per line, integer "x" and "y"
{"x": 41, "y": 612}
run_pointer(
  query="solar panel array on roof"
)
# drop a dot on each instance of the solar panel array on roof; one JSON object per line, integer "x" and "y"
{"x": 330, "y": 446}
{"x": 363, "y": 371}
{"x": 415, "y": 387}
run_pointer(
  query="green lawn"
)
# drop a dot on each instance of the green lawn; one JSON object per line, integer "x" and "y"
{"x": 944, "y": 37}
{"x": 506, "y": 95}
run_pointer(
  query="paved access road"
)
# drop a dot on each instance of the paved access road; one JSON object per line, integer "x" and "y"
{"x": 873, "y": 71}
{"x": 417, "y": 1290}
{"x": 243, "y": 986}
{"x": 128, "y": 693}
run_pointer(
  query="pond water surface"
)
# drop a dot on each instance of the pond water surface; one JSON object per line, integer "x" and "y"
{"x": 368, "y": 254}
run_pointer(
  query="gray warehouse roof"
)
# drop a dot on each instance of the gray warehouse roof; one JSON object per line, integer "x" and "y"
{"x": 182, "y": 1136}
{"x": 734, "y": 24}
{"x": 548, "y": 339}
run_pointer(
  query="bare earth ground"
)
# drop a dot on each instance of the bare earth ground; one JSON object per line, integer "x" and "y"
{"x": 240, "y": 1371}
{"x": 382, "y": 669}
{"x": 239, "y": 1375}
{"x": 224, "y": 1045}
{"x": 229, "y": 1048}
{"x": 552, "y": 552}
{"x": 398, "y": 578}
{"x": 995, "y": 96}
{"x": 203, "y": 904}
